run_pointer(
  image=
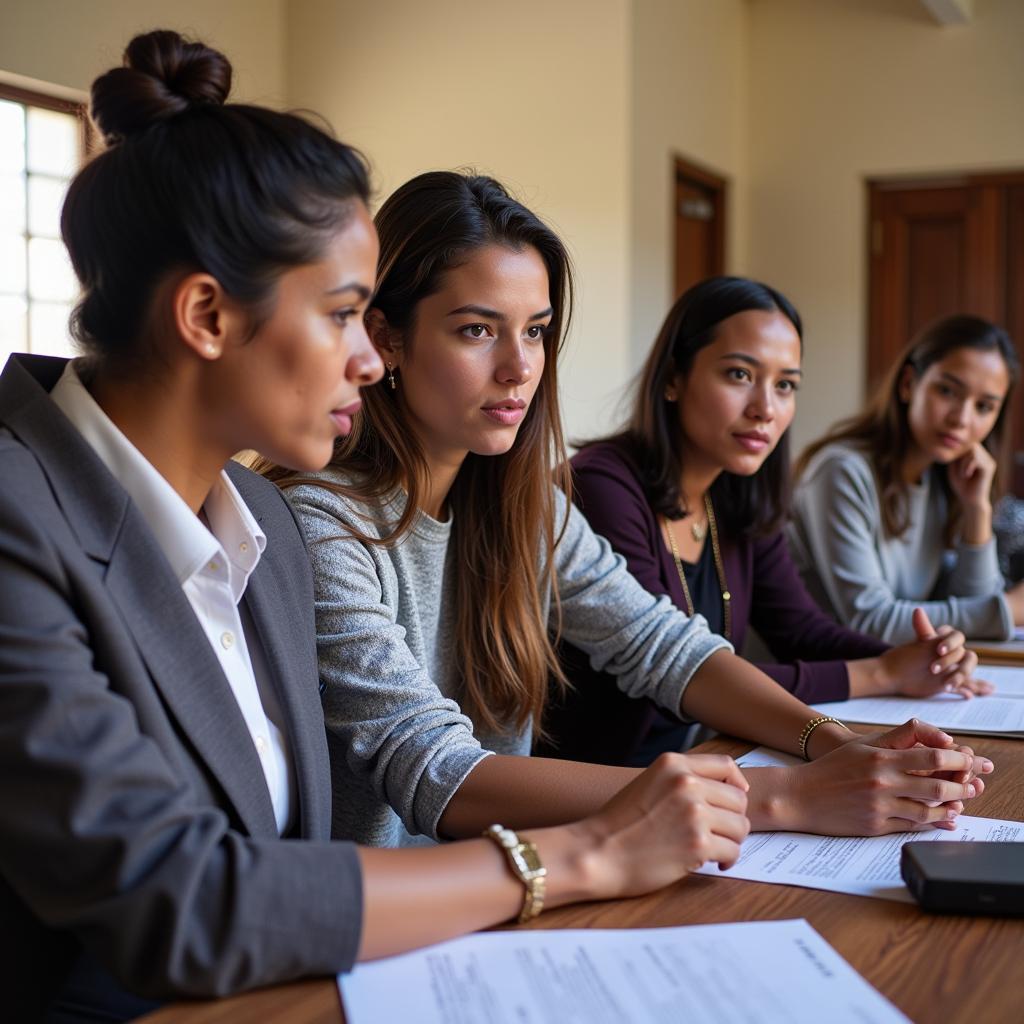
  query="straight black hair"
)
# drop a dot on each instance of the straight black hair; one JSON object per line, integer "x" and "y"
{"x": 744, "y": 505}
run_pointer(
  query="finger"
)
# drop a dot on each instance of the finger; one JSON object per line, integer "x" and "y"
{"x": 932, "y": 760}
{"x": 923, "y": 628}
{"x": 922, "y": 814}
{"x": 718, "y": 767}
{"x": 933, "y": 791}
{"x": 982, "y": 687}
{"x": 951, "y": 659}
{"x": 723, "y": 852}
{"x": 735, "y": 827}
{"x": 950, "y": 639}
{"x": 722, "y": 795}
{"x": 911, "y": 732}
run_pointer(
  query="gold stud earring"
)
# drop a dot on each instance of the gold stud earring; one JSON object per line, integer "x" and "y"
{"x": 211, "y": 349}
{"x": 391, "y": 376}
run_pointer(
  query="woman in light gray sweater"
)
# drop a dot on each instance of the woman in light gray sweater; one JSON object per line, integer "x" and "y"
{"x": 893, "y": 508}
{"x": 445, "y": 559}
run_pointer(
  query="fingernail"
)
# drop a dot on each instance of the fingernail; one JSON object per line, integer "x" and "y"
{"x": 951, "y": 815}
{"x": 936, "y": 669}
{"x": 942, "y": 649}
{"x": 987, "y": 765}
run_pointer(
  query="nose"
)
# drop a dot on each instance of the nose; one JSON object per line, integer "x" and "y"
{"x": 762, "y": 404}
{"x": 516, "y": 366}
{"x": 364, "y": 364}
{"x": 958, "y": 412}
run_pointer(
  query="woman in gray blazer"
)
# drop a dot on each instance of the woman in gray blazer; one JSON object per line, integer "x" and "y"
{"x": 164, "y": 782}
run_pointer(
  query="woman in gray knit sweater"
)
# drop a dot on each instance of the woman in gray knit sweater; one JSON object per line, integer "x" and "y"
{"x": 893, "y": 507}
{"x": 446, "y": 558}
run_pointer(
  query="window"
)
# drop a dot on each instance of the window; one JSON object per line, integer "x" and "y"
{"x": 42, "y": 145}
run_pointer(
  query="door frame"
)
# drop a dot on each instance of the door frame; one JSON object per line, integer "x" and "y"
{"x": 686, "y": 169}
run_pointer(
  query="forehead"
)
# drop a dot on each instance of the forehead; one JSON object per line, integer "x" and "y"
{"x": 498, "y": 277}
{"x": 767, "y": 336}
{"x": 348, "y": 257}
{"x": 983, "y": 372}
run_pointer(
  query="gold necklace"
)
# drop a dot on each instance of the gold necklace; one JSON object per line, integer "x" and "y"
{"x": 719, "y": 568}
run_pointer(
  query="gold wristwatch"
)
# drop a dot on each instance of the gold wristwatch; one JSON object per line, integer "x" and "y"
{"x": 526, "y": 866}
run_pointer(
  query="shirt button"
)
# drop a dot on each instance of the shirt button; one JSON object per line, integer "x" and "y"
{"x": 243, "y": 547}
{"x": 227, "y": 641}
{"x": 261, "y": 745}
{"x": 214, "y": 565}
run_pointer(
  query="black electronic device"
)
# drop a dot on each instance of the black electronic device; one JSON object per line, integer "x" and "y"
{"x": 965, "y": 877}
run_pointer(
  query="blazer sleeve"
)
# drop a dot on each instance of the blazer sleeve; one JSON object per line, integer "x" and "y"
{"x": 811, "y": 647}
{"x": 100, "y": 835}
{"x": 837, "y": 524}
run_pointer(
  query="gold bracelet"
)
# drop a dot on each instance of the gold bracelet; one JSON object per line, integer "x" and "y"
{"x": 526, "y": 866}
{"x": 805, "y": 733}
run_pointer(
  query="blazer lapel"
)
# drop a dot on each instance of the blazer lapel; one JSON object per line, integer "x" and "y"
{"x": 293, "y": 666}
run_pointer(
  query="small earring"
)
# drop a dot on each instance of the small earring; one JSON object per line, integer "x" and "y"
{"x": 670, "y": 396}
{"x": 391, "y": 376}
{"x": 211, "y": 349}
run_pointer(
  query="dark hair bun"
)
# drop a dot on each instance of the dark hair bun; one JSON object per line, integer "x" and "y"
{"x": 163, "y": 75}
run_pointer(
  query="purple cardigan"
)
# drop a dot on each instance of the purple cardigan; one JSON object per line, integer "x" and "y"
{"x": 767, "y": 593}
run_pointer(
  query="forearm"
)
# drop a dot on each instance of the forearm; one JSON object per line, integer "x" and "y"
{"x": 867, "y": 678}
{"x": 529, "y": 792}
{"x": 415, "y": 897}
{"x": 976, "y": 523}
{"x": 732, "y": 696}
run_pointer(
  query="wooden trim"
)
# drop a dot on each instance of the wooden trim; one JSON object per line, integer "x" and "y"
{"x": 89, "y": 141}
{"x": 685, "y": 169}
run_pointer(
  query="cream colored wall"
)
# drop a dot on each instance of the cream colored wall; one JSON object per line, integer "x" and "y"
{"x": 689, "y": 62}
{"x": 536, "y": 93}
{"x": 841, "y": 90}
{"x": 69, "y": 42}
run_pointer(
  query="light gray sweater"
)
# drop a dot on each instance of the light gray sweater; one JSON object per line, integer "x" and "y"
{"x": 872, "y": 582}
{"x": 400, "y": 745}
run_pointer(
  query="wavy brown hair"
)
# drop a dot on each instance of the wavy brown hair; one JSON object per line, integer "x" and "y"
{"x": 504, "y": 528}
{"x": 882, "y": 431}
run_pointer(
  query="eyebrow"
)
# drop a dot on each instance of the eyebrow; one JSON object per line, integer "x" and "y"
{"x": 493, "y": 314}
{"x": 353, "y": 286}
{"x": 744, "y": 358}
{"x": 963, "y": 386}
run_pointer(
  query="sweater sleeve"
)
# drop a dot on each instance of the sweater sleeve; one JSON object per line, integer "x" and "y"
{"x": 400, "y": 735}
{"x": 651, "y": 647}
{"x": 836, "y": 526}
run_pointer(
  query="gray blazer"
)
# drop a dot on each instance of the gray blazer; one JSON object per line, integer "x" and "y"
{"x": 137, "y": 836}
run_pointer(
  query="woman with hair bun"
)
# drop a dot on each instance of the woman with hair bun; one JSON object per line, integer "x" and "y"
{"x": 893, "y": 507}
{"x": 165, "y": 797}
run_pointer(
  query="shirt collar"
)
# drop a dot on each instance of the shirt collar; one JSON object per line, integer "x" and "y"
{"x": 188, "y": 545}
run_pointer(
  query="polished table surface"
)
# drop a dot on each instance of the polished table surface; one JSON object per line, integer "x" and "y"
{"x": 934, "y": 968}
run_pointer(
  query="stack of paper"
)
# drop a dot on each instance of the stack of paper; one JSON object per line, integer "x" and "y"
{"x": 1001, "y": 714}
{"x": 758, "y": 972}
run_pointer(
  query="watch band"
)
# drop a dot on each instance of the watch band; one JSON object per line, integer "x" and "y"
{"x": 525, "y": 862}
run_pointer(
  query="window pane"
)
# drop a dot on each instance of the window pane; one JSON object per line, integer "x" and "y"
{"x": 53, "y": 140}
{"x": 49, "y": 329}
{"x": 12, "y": 263}
{"x": 13, "y": 316}
{"x": 49, "y": 271}
{"x": 12, "y": 137}
{"x": 45, "y": 197}
{"x": 12, "y": 203}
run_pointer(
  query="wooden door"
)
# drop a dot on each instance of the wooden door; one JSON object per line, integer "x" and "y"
{"x": 942, "y": 247}
{"x": 699, "y": 225}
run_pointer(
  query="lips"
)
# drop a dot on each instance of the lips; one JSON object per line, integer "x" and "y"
{"x": 343, "y": 417}
{"x": 753, "y": 440}
{"x": 507, "y": 412}
{"x": 951, "y": 441}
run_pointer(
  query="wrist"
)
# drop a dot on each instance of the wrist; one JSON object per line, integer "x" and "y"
{"x": 869, "y": 677}
{"x": 772, "y": 799}
{"x": 826, "y": 738}
{"x": 578, "y": 865}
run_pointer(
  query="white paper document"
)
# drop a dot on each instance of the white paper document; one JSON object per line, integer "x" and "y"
{"x": 788, "y": 973}
{"x": 859, "y": 866}
{"x": 1008, "y": 680}
{"x": 983, "y": 716}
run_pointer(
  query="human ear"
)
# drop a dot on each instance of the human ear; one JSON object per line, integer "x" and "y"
{"x": 905, "y": 385}
{"x": 384, "y": 337}
{"x": 203, "y": 316}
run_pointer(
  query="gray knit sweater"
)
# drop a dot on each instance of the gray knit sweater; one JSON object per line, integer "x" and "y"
{"x": 400, "y": 746}
{"x": 872, "y": 582}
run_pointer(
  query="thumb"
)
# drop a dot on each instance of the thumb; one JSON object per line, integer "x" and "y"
{"x": 923, "y": 627}
{"x": 913, "y": 732}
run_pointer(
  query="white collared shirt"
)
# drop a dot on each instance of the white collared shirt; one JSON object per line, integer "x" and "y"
{"x": 213, "y": 563}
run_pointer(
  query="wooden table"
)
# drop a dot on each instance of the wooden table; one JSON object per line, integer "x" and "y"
{"x": 934, "y": 968}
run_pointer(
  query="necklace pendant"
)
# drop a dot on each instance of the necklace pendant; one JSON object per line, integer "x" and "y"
{"x": 698, "y": 530}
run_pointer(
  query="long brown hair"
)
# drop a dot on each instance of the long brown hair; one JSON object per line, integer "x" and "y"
{"x": 503, "y": 506}
{"x": 882, "y": 431}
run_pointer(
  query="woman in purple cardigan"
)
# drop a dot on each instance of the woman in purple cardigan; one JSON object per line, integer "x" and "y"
{"x": 694, "y": 493}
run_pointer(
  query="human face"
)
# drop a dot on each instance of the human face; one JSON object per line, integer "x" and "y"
{"x": 739, "y": 396}
{"x": 475, "y": 355}
{"x": 294, "y": 386}
{"x": 954, "y": 404}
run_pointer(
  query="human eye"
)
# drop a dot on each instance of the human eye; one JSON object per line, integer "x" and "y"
{"x": 790, "y": 387}
{"x": 537, "y": 332}
{"x": 945, "y": 390}
{"x": 738, "y": 373}
{"x": 475, "y": 331}
{"x": 986, "y": 408}
{"x": 342, "y": 316}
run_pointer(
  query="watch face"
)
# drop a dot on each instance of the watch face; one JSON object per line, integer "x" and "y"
{"x": 525, "y": 856}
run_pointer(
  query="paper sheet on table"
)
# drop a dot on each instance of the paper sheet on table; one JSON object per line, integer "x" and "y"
{"x": 859, "y": 866}
{"x": 1008, "y": 681}
{"x": 789, "y": 973}
{"x": 982, "y": 716}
